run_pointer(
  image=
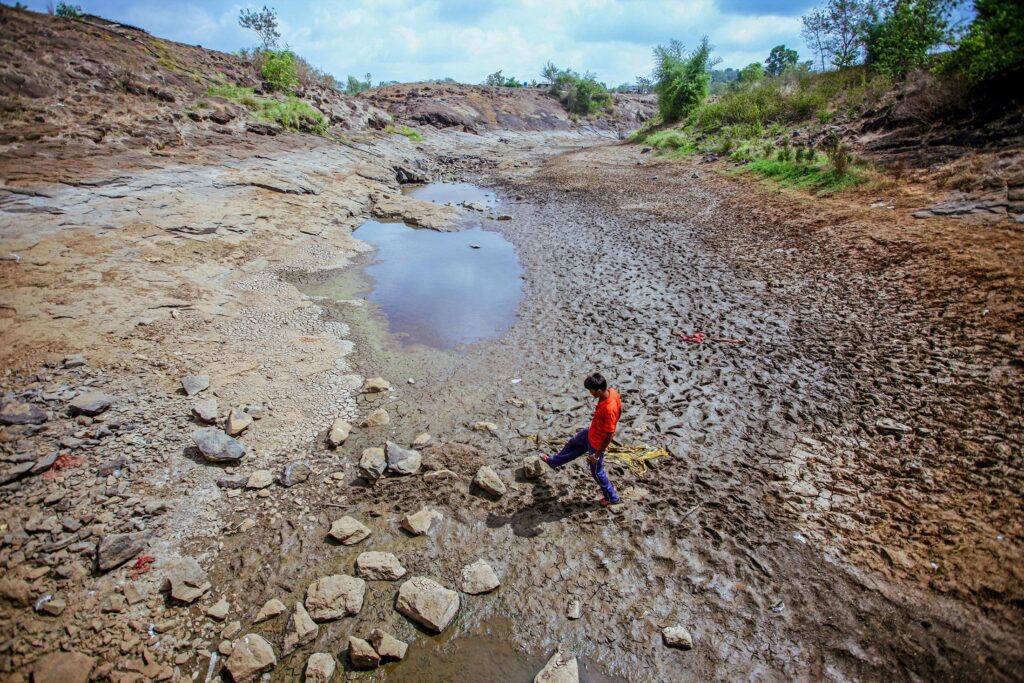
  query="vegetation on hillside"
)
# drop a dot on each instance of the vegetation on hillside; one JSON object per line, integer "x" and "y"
{"x": 580, "y": 95}
{"x": 290, "y": 113}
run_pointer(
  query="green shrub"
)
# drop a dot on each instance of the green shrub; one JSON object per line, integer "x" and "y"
{"x": 290, "y": 113}
{"x": 993, "y": 43}
{"x": 792, "y": 174}
{"x": 838, "y": 153}
{"x": 280, "y": 70}
{"x": 69, "y": 11}
{"x": 683, "y": 81}
{"x": 581, "y": 95}
{"x": 672, "y": 139}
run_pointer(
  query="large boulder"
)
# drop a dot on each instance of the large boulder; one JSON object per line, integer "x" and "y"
{"x": 348, "y": 531}
{"x": 114, "y": 550}
{"x": 428, "y": 603}
{"x": 421, "y": 522}
{"x": 372, "y": 464}
{"x": 334, "y": 597}
{"x": 251, "y": 656}
{"x": 217, "y": 446}
{"x": 340, "y": 431}
{"x": 362, "y": 654}
{"x": 561, "y": 668}
{"x": 478, "y": 578}
{"x": 320, "y": 668}
{"x": 19, "y": 413}
{"x": 386, "y": 645}
{"x": 403, "y": 460}
{"x": 378, "y": 566}
{"x": 300, "y": 630}
{"x": 62, "y": 667}
{"x": 91, "y": 403}
{"x": 488, "y": 480}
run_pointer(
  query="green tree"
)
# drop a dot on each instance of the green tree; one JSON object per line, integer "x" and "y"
{"x": 550, "y": 72}
{"x": 682, "y": 80}
{"x": 780, "y": 59}
{"x": 264, "y": 23}
{"x": 815, "y": 34}
{"x": 69, "y": 11}
{"x": 993, "y": 44}
{"x": 751, "y": 73}
{"x": 845, "y": 25}
{"x": 910, "y": 30}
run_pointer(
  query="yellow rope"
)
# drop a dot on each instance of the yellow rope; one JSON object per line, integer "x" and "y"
{"x": 635, "y": 457}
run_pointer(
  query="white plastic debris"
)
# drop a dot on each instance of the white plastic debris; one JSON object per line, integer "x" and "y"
{"x": 42, "y": 601}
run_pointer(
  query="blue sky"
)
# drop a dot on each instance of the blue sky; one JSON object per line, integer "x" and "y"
{"x": 408, "y": 40}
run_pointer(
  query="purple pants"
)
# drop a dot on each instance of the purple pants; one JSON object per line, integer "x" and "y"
{"x": 574, "y": 448}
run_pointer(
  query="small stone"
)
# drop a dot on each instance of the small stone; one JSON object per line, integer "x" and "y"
{"x": 533, "y": 467}
{"x": 421, "y": 440}
{"x": 193, "y": 384}
{"x": 677, "y": 636}
{"x": 361, "y": 654}
{"x": 238, "y": 421}
{"x": 575, "y": 609}
{"x": 428, "y": 603}
{"x": 484, "y": 427}
{"x": 219, "y": 610}
{"x": 251, "y": 656}
{"x": 234, "y": 628}
{"x": 217, "y": 446}
{"x": 488, "y": 480}
{"x": 420, "y": 523}
{"x": 348, "y": 531}
{"x": 320, "y": 668}
{"x": 479, "y": 578}
{"x": 271, "y": 608}
{"x": 256, "y": 410}
{"x": 54, "y": 607}
{"x": 113, "y": 551}
{"x": 62, "y": 667}
{"x": 205, "y": 410}
{"x": 91, "y": 403}
{"x": 334, "y": 597}
{"x": 18, "y": 413}
{"x": 300, "y": 630}
{"x": 504, "y": 217}
{"x": 74, "y": 361}
{"x": 375, "y": 385}
{"x": 339, "y": 433}
{"x": 372, "y": 464}
{"x": 379, "y": 566}
{"x": 386, "y": 645}
{"x": 295, "y": 472}
{"x": 186, "y": 580}
{"x": 377, "y": 418}
{"x": 561, "y": 668}
{"x": 260, "y": 479}
{"x": 402, "y": 461}
{"x": 226, "y": 647}
{"x": 889, "y": 426}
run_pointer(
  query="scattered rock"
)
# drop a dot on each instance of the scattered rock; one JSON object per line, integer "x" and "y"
{"x": 421, "y": 440}
{"x": 339, "y": 433}
{"x": 53, "y": 608}
{"x": 238, "y": 421}
{"x": 677, "y": 636}
{"x": 377, "y": 418}
{"x": 533, "y": 467}
{"x": 18, "y": 413}
{"x": 379, "y": 566}
{"x": 320, "y": 668}
{"x": 386, "y": 645}
{"x": 205, "y": 410}
{"x": 91, "y": 403}
{"x": 504, "y": 217}
{"x": 488, "y": 480}
{"x": 361, "y": 654}
{"x": 251, "y": 656}
{"x": 74, "y": 361}
{"x": 375, "y": 385}
{"x": 16, "y": 591}
{"x": 260, "y": 479}
{"x": 219, "y": 610}
{"x": 428, "y": 603}
{"x": 484, "y": 427}
{"x": 234, "y": 628}
{"x": 114, "y": 550}
{"x": 372, "y": 464}
{"x": 186, "y": 580}
{"x": 63, "y": 667}
{"x": 217, "y": 446}
{"x": 474, "y": 246}
{"x": 300, "y": 630}
{"x": 193, "y": 384}
{"x": 348, "y": 531}
{"x": 257, "y": 410}
{"x": 889, "y": 426}
{"x": 402, "y": 460}
{"x": 560, "y": 669}
{"x": 334, "y": 597}
{"x": 295, "y": 472}
{"x": 420, "y": 523}
{"x": 479, "y": 578}
{"x": 574, "y": 610}
{"x": 271, "y": 608}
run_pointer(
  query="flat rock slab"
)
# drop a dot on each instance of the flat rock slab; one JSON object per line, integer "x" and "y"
{"x": 386, "y": 645}
{"x": 403, "y": 460}
{"x": 378, "y": 566}
{"x": 428, "y": 603}
{"x": 334, "y": 597}
{"x": 361, "y": 654}
{"x": 193, "y": 384}
{"x": 91, "y": 403}
{"x": 678, "y": 637}
{"x": 251, "y": 656}
{"x": 62, "y": 667}
{"x": 217, "y": 446}
{"x": 206, "y": 410}
{"x": 561, "y": 668}
{"x": 488, "y": 481}
{"x": 478, "y": 578}
{"x": 420, "y": 523}
{"x": 348, "y": 531}
{"x": 186, "y": 580}
{"x": 20, "y": 413}
{"x": 114, "y": 550}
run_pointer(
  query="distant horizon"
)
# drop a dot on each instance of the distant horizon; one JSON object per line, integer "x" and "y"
{"x": 407, "y": 41}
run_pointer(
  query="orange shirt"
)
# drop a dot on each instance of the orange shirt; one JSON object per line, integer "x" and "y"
{"x": 606, "y": 419}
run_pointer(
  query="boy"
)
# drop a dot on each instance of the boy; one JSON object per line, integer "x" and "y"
{"x": 595, "y": 439}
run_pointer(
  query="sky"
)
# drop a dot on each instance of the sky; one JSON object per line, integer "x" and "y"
{"x": 411, "y": 40}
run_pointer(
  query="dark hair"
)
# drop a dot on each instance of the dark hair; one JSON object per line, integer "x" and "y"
{"x": 595, "y": 382}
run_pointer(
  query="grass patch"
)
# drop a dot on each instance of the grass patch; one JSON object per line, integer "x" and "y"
{"x": 672, "y": 139}
{"x": 290, "y": 113}
{"x": 408, "y": 132}
{"x": 808, "y": 176}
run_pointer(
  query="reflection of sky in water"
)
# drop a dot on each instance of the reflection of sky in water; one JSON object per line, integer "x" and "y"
{"x": 436, "y": 290}
{"x": 454, "y": 193}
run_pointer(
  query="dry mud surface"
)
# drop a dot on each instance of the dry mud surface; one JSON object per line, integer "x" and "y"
{"x": 790, "y": 531}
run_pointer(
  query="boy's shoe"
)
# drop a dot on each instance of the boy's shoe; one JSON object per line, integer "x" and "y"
{"x": 546, "y": 458}
{"x": 604, "y": 502}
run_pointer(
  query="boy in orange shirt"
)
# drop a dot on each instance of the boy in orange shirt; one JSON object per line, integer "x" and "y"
{"x": 595, "y": 439}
